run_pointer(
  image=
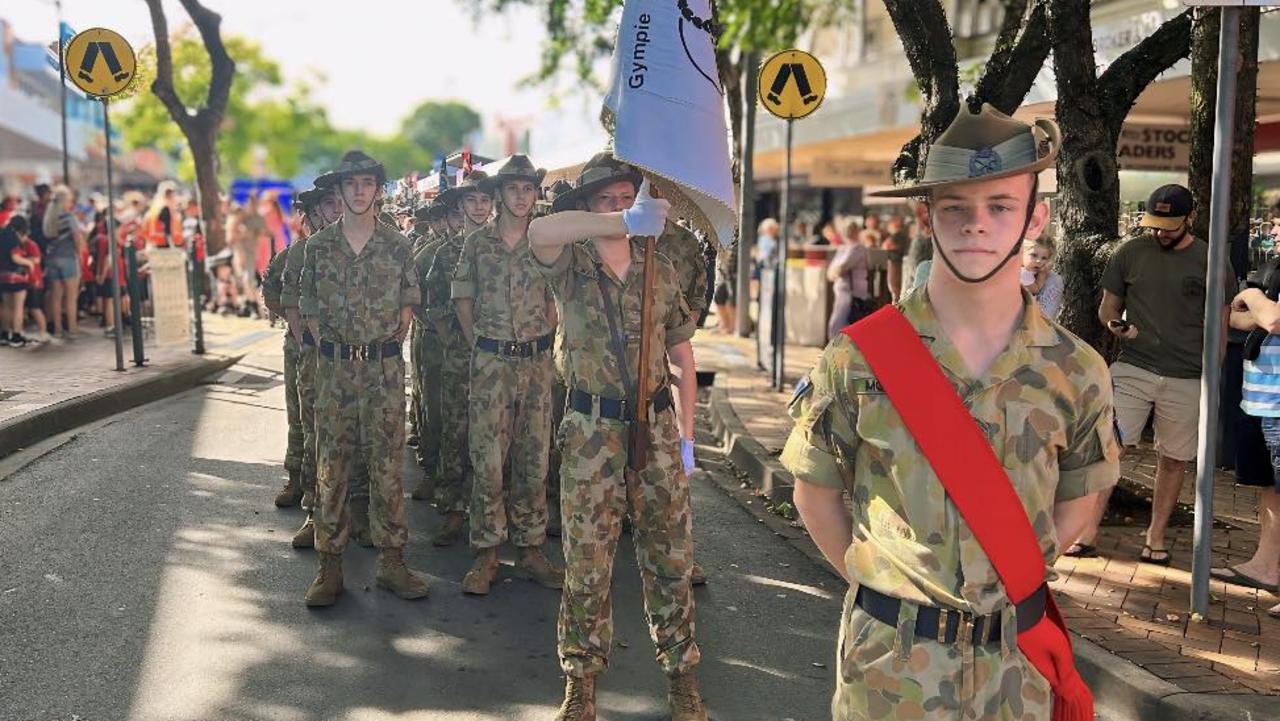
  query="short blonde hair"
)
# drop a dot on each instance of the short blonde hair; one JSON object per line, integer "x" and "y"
{"x": 766, "y": 225}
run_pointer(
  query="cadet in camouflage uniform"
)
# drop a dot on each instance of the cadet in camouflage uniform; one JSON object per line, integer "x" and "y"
{"x": 1041, "y": 395}
{"x": 358, "y": 293}
{"x": 272, "y": 290}
{"x": 597, "y": 487}
{"x": 323, "y": 208}
{"x": 508, "y": 315}
{"x": 419, "y": 237}
{"x": 428, "y": 358}
{"x": 558, "y": 394}
{"x": 469, "y": 207}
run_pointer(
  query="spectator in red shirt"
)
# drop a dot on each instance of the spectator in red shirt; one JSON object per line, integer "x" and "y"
{"x": 8, "y": 207}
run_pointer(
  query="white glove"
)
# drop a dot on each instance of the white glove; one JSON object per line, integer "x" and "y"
{"x": 648, "y": 215}
{"x": 686, "y": 455}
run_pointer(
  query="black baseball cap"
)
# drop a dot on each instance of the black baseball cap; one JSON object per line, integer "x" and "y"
{"x": 1167, "y": 208}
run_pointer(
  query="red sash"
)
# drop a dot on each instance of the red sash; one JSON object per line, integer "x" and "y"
{"x": 960, "y": 455}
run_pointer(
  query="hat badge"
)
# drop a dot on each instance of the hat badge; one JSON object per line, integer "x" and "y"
{"x": 985, "y": 161}
{"x": 1163, "y": 207}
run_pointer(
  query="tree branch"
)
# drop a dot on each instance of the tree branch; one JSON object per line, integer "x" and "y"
{"x": 925, "y": 33}
{"x": 1020, "y": 51}
{"x": 209, "y": 23}
{"x": 162, "y": 86}
{"x": 1131, "y": 73}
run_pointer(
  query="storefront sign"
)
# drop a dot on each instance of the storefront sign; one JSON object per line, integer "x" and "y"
{"x": 849, "y": 172}
{"x": 170, "y": 294}
{"x": 1154, "y": 147}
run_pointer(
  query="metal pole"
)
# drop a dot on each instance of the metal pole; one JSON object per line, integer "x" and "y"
{"x": 62, "y": 95}
{"x": 135, "y": 304}
{"x": 197, "y": 282}
{"x": 113, "y": 252}
{"x": 1210, "y": 380}
{"x": 747, "y": 200}
{"x": 780, "y": 282}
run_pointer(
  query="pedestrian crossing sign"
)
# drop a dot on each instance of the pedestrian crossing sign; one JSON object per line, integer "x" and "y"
{"x": 792, "y": 84}
{"x": 100, "y": 62}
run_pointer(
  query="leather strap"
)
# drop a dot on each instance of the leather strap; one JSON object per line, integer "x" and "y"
{"x": 976, "y": 482}
{"x": 615, "y": 338}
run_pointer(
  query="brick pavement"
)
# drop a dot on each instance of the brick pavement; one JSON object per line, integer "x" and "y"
{"x": 1137, "y": 611}
{"x": 35, "y": 377}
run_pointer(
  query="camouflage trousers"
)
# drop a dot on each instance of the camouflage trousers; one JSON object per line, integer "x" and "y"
{"x": 559, "y": 396}
{"x": 358, "y": 485}
{"x": 296, "y": 450}
{"x": 415, "y": 388}
{"x": 510, "y": 414}
{"x": 359, "y": 424}
{"x": 886, "y": 674}
{"x": 453, "y": 485}
{"x": 428, "y": 356}
{"x": 595, "y": 493}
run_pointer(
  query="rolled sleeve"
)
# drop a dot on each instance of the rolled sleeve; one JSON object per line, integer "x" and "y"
{"x": 462, "y": 289}
{"x": 1091, "y": 462}
{"x": 822, "y": 445}
{"x": 556, "y": 268}
{"x": 463, "y": 282}
{"x": 1114, "y": 276}
{"x": 680, "y": 325}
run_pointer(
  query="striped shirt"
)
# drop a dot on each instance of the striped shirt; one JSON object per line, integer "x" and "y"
{"x": 1262, "y": 381}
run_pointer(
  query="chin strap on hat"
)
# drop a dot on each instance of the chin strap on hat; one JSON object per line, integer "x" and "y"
{"x": 1013, "y": 252}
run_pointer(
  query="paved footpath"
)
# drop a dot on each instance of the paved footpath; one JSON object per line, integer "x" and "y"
{"x": 1138, "y": 612}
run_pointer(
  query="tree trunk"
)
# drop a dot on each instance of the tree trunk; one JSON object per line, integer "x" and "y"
{"x": 1204, "y": 94}
{"x": 925, "y": 33}
{"x": 204, "y": 150}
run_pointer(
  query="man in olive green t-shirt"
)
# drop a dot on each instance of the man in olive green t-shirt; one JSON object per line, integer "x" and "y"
{"x": 1153, "y": 300}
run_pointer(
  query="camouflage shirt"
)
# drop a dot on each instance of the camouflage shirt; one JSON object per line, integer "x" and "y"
{"x": 357, "y": 298}
{"x": 291, "y": 278}
{"x": 437, "y": 296}
{"x": 273, "y": 281}
{"x": 590, "y": 364}
{"x": 511, "y": 298}
{"x": 684, "y": 250}
{"x": 422, "y": 261}
{"x": 1046, "y": 407}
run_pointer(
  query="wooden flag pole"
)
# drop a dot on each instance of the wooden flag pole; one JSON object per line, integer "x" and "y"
{"x": 638, "y": 453}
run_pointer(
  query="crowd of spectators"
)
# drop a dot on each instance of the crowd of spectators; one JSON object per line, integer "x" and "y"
{"x": 56, "y": 277}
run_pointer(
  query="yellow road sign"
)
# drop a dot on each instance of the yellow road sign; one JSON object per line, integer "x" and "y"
{"x": 100, "y": 62}
{"x": 792, "y": 84}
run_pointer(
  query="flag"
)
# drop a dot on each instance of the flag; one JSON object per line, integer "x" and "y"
{"x": 665, "y": 109}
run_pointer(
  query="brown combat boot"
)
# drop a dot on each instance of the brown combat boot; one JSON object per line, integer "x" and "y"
{"x": 450, "y": 532}
{"x": 360, "y": 521}
{"x": 697, "y": 575}
{"x": 579, "y": 699}
{"x": 398, "y": 578}
{"x": 306, "y": 536}
{"x": 482, "y": 574}
{"x": 535, "y": 566}
{"x": 324, "y": 591}
{"x": 423, "y": 490}
{"x": 291, "y": 494}
{"x": 685, "y": 699}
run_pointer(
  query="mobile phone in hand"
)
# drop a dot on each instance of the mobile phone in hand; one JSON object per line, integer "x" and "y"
{"x": 1120, "y": 325}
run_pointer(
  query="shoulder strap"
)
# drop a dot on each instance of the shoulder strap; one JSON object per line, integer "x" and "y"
{"x": 976, "y": 482}
{"x": 615, "y": 338}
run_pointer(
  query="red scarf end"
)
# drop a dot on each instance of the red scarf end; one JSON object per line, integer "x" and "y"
{"x": 1072, "y": 701}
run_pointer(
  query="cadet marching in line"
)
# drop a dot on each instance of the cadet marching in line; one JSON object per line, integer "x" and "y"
{"x": 519, "y": 351}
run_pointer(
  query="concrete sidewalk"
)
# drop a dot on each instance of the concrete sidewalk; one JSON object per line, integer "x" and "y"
{"x": 46, "y": 389}
{"x": 1134, "y": 633}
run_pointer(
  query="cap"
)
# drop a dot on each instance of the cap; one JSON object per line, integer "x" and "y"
{"x": 1167, "y": 208}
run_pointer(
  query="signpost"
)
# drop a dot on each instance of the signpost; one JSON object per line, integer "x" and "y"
{"x": 792, "y": 86}
{"x": 101, "y": 63}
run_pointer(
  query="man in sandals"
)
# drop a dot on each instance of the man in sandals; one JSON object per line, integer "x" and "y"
{"x": 928, "y": 630}
{"x": 1153, "y": 301}
{"x": 599, "y": 287}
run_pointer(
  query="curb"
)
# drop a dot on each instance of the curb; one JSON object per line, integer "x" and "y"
{"x": 1121, "y": 688}
{"x": 35, "y": 426}
{"x": 765, "y": 471}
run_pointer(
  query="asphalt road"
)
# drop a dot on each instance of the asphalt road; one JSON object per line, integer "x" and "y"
{"x": 145, "y": 575}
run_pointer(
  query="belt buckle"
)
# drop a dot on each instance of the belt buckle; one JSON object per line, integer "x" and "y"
{"x": 360, "y": 352}
{"x": 513, "y": 348}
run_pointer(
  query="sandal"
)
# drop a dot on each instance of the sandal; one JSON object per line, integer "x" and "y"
{"x": 1235, "y": 577}
{"x": 1274, "y": 611}
{"x": 1081, "y": 550}
{"x": 1148, "y": 555}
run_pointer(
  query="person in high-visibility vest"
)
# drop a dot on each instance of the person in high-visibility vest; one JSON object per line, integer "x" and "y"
{"x": 162, "y": 225}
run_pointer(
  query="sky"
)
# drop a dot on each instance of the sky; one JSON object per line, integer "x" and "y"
{"x": 434, "y": 49}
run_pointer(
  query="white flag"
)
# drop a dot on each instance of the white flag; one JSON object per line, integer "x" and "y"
{"x": 666, "y": 109}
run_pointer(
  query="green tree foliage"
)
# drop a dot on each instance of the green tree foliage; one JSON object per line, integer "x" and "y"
{"x": 440, "y": 127}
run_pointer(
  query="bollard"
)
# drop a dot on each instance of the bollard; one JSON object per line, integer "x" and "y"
{"x": 135, "y": 303}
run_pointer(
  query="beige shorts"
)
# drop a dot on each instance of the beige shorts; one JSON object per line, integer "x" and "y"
{"x": 1176, "y": 402}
